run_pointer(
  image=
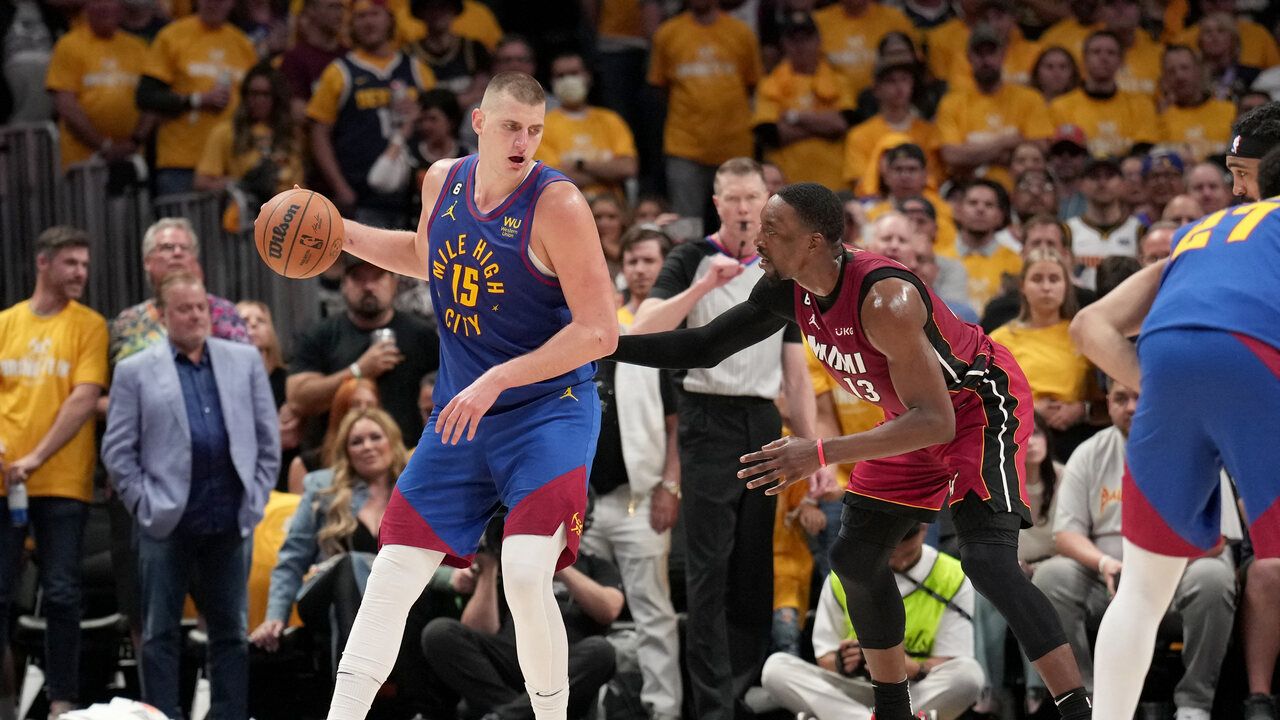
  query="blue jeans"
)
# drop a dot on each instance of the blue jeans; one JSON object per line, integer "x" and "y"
{"x": 215, "y": 569}
{"x": 58, "y": 527}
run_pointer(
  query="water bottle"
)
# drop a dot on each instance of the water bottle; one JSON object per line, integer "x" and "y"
{"x": 18, "y": 504}
{"x": 399, "y": 91}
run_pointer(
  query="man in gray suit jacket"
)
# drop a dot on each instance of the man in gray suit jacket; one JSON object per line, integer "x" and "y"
{"x": 193, "y": 447}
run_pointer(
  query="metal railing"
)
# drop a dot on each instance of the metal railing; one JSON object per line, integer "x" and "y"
{"x": 29, "y": 197}
{"x": 35, "y": 194}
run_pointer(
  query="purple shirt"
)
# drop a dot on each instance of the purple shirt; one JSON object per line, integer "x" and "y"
{"x": 302, "y": 64}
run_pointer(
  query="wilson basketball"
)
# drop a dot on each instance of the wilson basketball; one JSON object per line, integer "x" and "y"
{"x": 298, "y": 233}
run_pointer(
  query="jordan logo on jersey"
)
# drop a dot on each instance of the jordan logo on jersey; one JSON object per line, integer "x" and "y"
{"x": 470, "y": 270}
{"x": 449, "y": 213}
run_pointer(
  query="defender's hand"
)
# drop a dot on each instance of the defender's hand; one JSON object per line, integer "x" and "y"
{"x": 784, "y": 461}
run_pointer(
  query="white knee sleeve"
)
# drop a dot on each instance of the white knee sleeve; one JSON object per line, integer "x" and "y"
{"x": 528, "y": 564}
{"x": 1128, "y": 632}
{"x": 399, "y": 575}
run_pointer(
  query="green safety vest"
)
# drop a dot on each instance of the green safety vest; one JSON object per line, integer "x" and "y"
{"x": 923, "y": 609}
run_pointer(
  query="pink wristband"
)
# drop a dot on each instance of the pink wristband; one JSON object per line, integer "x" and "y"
{"x": 822, "y": 457}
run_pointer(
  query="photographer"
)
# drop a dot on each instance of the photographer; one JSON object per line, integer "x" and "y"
{"x": 945, "y": 677}
{"x": 475, "y": 658}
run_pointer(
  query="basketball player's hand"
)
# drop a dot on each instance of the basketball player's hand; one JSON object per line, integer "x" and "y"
{"x": 267, "y": 635}
{"x": 720, "y": 271}
{"x": 379, "y": 358}
{"x": 463, "y": 413}
{"x": 784, "y": 461}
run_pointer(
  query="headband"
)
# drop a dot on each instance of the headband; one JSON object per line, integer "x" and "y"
{"x": 1244, "y": 146}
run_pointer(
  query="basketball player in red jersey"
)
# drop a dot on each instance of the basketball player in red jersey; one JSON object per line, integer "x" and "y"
{"x": 958, "y": 413}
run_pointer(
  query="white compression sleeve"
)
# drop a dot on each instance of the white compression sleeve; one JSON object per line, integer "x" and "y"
{"x": 1128, "y": 632}
{"x": 528, "y": 564}
{"x": 399, "y": 575}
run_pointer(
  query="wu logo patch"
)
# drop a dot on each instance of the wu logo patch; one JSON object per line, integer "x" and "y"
{"x": 510, "y": 226}
{"x": 449, "y": 213}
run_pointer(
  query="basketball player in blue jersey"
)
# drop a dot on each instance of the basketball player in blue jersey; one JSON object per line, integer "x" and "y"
{"x": 524, "y": 305}
{"x": 1208, "y": 364}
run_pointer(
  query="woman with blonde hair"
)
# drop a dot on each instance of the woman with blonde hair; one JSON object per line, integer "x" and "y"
{"x": 1059, "y": 375}
{"x": 335, "y": 529}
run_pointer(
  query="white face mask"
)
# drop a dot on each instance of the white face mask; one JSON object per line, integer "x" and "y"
{"x": 571, "y": 89}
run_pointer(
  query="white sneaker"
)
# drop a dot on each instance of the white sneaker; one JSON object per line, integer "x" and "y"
{"x": 1185, "y": 713}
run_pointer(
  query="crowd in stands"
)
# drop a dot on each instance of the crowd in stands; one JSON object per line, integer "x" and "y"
{"x": 1021, "y": 158}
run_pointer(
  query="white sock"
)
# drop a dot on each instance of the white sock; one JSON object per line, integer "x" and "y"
{"x": 528, "y": 564}
{"x": 399, "y": 575}
{"x": 1128, "y": 632}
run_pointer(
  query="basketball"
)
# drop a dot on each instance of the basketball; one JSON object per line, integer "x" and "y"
{"x": 298, "y": 233}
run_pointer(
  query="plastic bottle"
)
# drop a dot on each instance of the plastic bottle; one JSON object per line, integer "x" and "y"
{"x": 18, "y": 504}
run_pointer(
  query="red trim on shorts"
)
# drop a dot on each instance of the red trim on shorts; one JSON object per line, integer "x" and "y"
{"x": 1268, "y": 355}
{"x": 1143, "y": 525}
{"x": 562, "y": 501}
{"x": 403, "y": 525}
{"x": 1264, "y": 531}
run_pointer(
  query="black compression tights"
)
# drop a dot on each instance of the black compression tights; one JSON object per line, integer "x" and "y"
{"x": 988, "y": 553}
{"x": 993, "y": 569}
{"x": 860, "y": 558}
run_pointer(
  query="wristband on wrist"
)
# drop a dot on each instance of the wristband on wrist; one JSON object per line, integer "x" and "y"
{"x": 1103, "y": 561}
{"x": 822, "y": 457}
{"x": 355, "y": 370}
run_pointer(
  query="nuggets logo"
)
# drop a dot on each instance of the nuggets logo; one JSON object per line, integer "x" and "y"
{"x": 575, "y": 524}
{"x": 510, "y": 226}
{"x": 470, "y": 270}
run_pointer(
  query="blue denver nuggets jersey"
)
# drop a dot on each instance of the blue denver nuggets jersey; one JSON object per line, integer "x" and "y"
{"x": 363, "y": 125}
{"x": 492, "y": 304}
{"x": 1225, "y": 275}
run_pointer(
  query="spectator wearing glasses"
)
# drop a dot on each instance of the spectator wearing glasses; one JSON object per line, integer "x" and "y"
{"x": 169, "y": 245}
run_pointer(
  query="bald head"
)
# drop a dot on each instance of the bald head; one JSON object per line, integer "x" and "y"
{"x": 891, "y": 236}
{"x": 1182, "y": 209}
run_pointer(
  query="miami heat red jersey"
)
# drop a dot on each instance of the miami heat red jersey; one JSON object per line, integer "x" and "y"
{"x": 990, "y": 395}
{"x": 836, "y": 337}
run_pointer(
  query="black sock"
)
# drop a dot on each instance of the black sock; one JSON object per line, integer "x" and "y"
{"x": 893, "y": 700}
{"x": 1074, "y": 704}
